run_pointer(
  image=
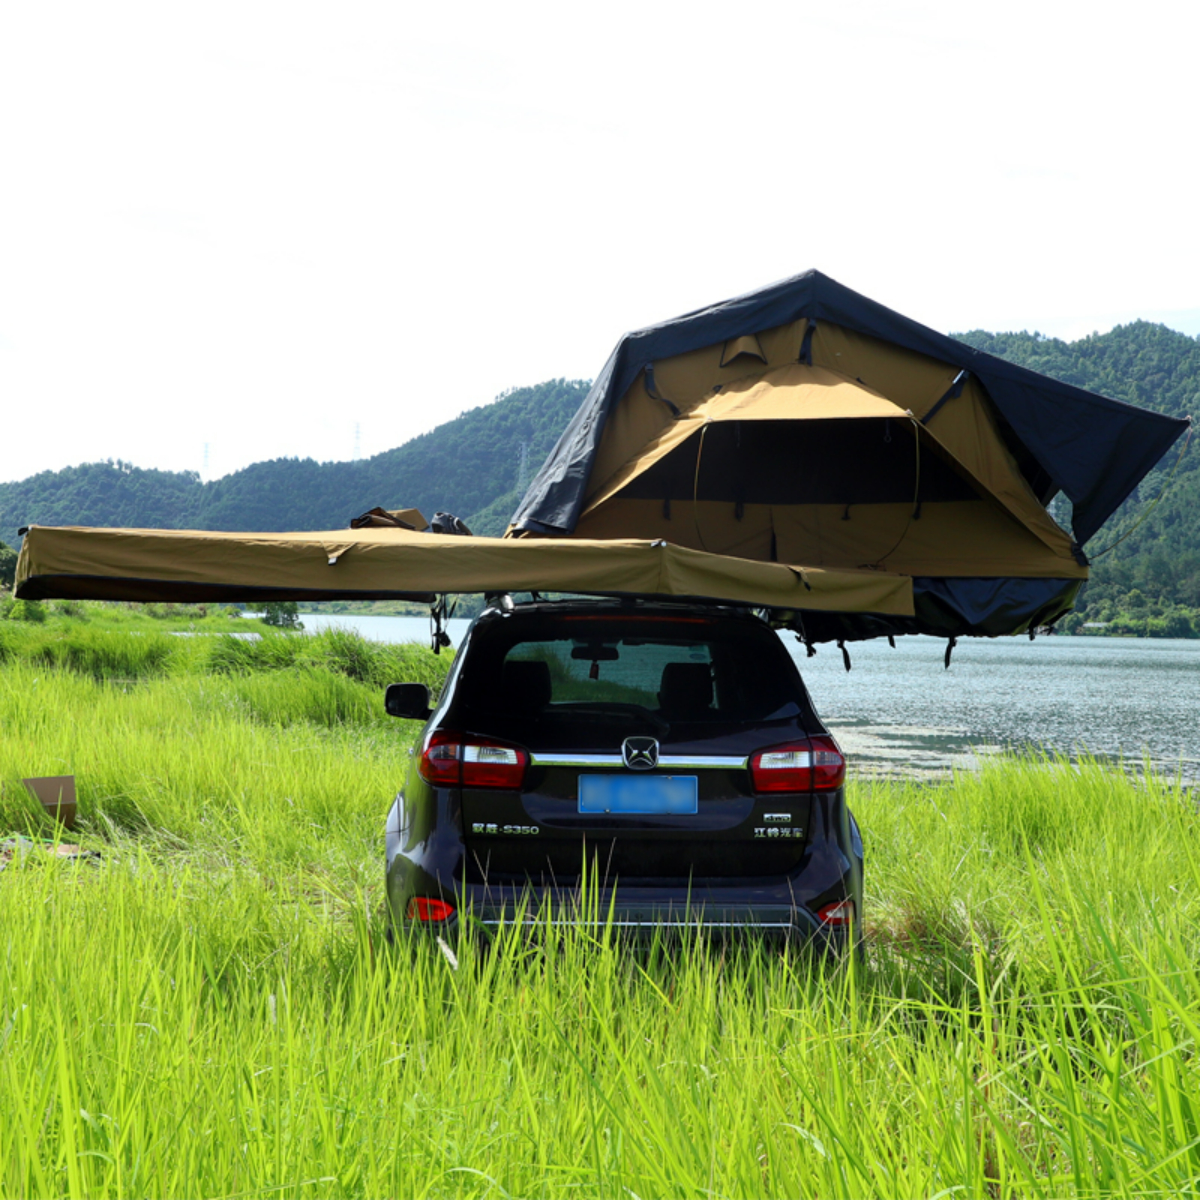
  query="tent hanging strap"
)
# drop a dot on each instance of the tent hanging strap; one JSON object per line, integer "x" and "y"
{"x": 802, "y": 636}
{"x": 696, "y": 488}
{"x": 806, "y": 345}
{"x": 950, "y": 644}
{"x": 655, "y": 394}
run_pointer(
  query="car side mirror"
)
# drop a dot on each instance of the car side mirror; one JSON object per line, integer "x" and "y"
{"x": 408, "y": 700}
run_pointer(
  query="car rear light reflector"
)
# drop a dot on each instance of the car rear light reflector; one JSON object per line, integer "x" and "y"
{"x": 813, "y": 765}
{"x": 425, "y": 908}
{"x": 490, "y": 764}
{"x": 460, "y": 760}
{"x": 840, "y": 912}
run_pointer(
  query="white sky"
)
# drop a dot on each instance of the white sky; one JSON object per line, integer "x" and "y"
{"x": 255, "y": 225}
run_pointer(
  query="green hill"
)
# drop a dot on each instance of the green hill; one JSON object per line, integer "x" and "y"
{"x": 466, "y": 466}
{"x": 100, "y": 494}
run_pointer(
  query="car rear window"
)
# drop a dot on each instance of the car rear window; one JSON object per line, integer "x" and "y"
{"x": 622, "y": 669}
{"x": 707, "y": 671}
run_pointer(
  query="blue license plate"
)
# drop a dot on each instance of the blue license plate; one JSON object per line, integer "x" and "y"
{"x": 637, "y": 794}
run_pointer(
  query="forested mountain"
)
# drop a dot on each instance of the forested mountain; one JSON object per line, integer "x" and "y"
{"x": 476, "y": 467}
{"x": 464, "y": 466}
{"x": 99, "y": 494}
{"x": 1158, "y": 565}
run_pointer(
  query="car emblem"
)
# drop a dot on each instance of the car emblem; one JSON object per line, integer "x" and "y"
{"x": 640, "y": 753}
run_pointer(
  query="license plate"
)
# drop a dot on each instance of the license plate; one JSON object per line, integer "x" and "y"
{"x": 637, "y": 794}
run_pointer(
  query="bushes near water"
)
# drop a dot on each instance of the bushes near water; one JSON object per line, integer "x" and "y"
{"x": 1147, "y": 620}
{"x": 107, "y": 652}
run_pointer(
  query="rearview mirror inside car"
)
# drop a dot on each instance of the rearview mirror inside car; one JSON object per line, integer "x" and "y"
{"x": 408, "y": 700}
{"x": 595, "y": 652}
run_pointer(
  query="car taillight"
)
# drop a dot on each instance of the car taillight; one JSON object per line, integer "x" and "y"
{"x": 425, "y": 908}
{"x": 840, "y": 912}
{"x": 460, "y": 760}
{"x": 812, "y": 765}
{"x": 441, "y": 759}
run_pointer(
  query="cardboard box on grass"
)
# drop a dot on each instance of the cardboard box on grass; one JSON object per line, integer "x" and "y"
{"x": 56, "y": 794}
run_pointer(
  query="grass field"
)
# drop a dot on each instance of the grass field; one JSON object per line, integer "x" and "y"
{"x": 211, "y": 1010}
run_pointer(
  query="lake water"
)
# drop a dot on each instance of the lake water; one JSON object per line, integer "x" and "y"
{"x": 901, "y": 712}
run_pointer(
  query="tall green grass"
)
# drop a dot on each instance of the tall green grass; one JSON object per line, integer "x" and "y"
{"x": 170, "y": 1031}
{"x": 212, "y": 1008}
{"x": 106, "y": 652}
{"x": 272, "y": 769}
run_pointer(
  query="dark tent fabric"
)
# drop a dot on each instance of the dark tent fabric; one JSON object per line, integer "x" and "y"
{"x": 1094, "y": 449}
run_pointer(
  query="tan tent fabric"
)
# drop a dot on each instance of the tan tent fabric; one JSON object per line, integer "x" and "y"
{"x": 825, "y": 536}
{"x": 910, "y": 379}
{"x": 965, "y": 424}
{"x": 747, "y": 345}
{"x": 1001, "y": 529}
{"x": 154, "y": 564}
{"x": 685, "y": 379}
{"x": 791, "y": 392}
{"x": 794, "y": 393}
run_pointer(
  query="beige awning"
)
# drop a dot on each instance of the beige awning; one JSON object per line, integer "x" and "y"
{"x": 391, "y": 563}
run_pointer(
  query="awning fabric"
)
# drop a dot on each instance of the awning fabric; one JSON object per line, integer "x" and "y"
{"x": 395, "y": 563}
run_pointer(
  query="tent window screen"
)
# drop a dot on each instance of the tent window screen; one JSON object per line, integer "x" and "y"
{"x": 803, "y": 462}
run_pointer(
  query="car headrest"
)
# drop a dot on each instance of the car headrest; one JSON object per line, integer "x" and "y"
{"x": 687, "y": 689}
{"x": 525, "y": 686}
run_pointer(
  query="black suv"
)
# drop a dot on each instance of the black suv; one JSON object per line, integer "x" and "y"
{"x": 668, "y": 754}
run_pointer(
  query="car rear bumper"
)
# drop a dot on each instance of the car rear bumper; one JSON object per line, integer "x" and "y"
{"x": 640, "y": 913}
{"x": 780, "y": 906}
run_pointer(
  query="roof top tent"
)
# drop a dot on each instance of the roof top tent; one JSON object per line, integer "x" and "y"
{"x": 804, "y": 423}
